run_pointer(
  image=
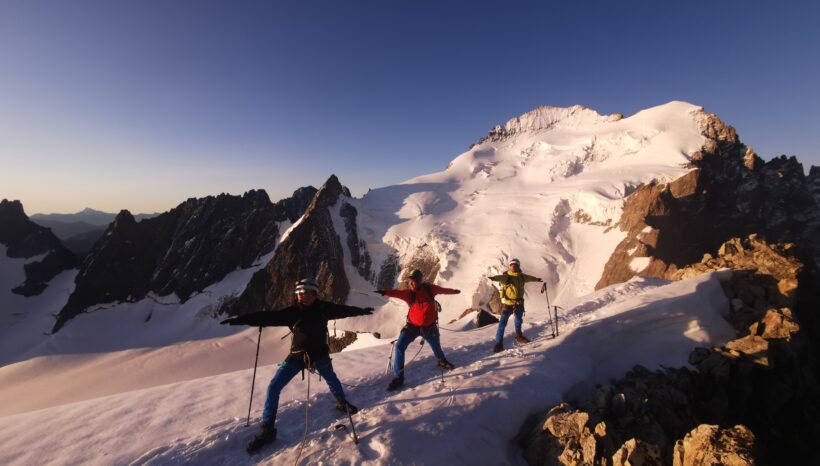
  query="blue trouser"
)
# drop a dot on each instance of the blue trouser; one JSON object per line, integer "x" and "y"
{"x": 518, "y": 309}
{"x": 287, "y": 371}
{"x": 407, "y": 335}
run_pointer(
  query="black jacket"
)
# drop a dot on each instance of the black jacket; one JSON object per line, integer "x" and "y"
{"x": 308, "y": 324}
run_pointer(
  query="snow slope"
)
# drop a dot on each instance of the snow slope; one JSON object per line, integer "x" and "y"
{"x": 545, "y": 189}
{"x": 23, "y": 321}
{"x": 436, "y": 420}
{"x": 116, "y": 347}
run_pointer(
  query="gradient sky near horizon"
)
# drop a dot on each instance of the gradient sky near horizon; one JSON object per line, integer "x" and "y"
{"x": 141, "y": 104}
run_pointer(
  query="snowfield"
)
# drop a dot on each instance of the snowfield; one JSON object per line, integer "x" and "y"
{"x": 161, "y": 382}
{"x": 548, "y": 193}
{"x": 435, "y": 420}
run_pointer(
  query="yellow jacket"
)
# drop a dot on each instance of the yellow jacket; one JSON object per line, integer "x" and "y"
{"x": 511, "y": 290}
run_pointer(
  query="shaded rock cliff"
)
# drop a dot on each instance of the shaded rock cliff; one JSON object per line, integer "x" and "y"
{"x": 24, "y": 239}
{"x": 729, "y": 193}
{"x": 181, "y": 251}
{"x": 312, "y": 248}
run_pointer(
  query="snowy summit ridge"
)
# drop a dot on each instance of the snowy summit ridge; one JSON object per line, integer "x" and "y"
{"x": 545, "y": 117}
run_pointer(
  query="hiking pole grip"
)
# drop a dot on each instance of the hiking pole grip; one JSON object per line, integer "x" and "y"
{"x": 253, "y": 380}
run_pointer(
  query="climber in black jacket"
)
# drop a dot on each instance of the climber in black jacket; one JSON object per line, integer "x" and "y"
{"x": 307, "y": 319}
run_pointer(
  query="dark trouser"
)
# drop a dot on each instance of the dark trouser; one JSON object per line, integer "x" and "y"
{"x": 287, "y": 371}
{"x": 518, "y": 309}
{"x": 407, "y": 335}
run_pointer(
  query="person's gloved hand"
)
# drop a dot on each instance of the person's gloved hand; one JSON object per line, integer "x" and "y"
{"x": 540, "y": 280}
{"x": 231, "y": 321}
{"x": 369, "y": 310}
{"x": 381, "y": 292}
{"x": 458, "y": 291}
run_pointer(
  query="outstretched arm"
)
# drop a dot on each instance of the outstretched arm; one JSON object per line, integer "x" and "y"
{"x": 340, "y": 311}
{"x": 280, "y": 318}
{"x": 499, "y": 278}
{"x": 404, "y": 295}
{"x": 441, "y": 290}
{"x": 530, "y": 278}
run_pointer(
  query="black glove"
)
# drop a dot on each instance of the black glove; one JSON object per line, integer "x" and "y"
{"x": 379, "y": 292}
{"x": 541, "y": 281}
{"x": 231, "y": 321}
{"x": 458, "y": 291}
{"x": 369, "y": 310}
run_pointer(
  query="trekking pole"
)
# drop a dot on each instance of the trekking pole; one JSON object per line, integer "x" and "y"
{"x": 352, "y": 427}
{"x": 549, "y": 313}
{"x": 556, "y": 319}
{"x": 390, "y": 358}
{"x": 253, "y": 381}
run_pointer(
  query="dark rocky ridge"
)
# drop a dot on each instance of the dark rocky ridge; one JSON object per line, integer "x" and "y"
{"x": 814, "y": 183}
{"x": 730, "y": 193}
{"x": 181, "y": 251}
{"x": 23, "y": 239}
{"x": 313, "y": 248}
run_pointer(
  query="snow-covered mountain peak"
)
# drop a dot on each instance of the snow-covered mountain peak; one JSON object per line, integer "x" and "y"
{"x": 546, "y": 117}
{"x": 548, "y": 192}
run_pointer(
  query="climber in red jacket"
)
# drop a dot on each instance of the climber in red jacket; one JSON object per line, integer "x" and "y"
{"x": 421, "y": 321}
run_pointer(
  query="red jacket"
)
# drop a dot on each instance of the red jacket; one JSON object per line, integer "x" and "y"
{"x": 423, "y": 310}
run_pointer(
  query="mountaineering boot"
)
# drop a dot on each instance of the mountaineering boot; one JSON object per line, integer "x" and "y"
{"x": 266, "y": 435}
{"x": 395, "y": 383}
{"x": 521, "y": 339}
{"x": 445, "y": 364}
{"x": 499, "y": 347}
{"x": 344, "y": 406}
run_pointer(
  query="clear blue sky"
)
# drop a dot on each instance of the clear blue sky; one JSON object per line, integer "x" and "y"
{"x": 142, "y": 104}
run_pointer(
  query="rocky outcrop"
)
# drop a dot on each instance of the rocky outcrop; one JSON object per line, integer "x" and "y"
{"x": 730, "y": 192}
{"x": 394, "y": 271}
{"x": 707, "y": 445}
{"x": 180, "y": 252}
{"x": 313, "y": 248}
{"x": 564, "y": 438}
{"x": 25, "y": 239}
{"x": 765, "y": 278}
{"x": 337, "y": 343}
{"x": 482, "y": 318}
{"x": 764, "y": 382}
{"x": 389, "y": 272}
{"x": 634, "y": 419}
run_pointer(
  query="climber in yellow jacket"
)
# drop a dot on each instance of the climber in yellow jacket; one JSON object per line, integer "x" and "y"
{"x": 511, "y": 290}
